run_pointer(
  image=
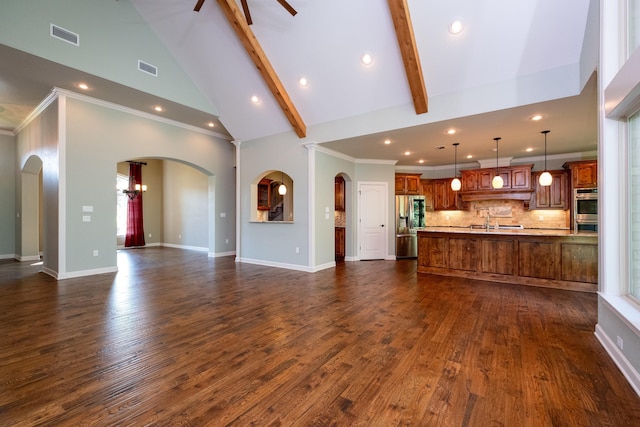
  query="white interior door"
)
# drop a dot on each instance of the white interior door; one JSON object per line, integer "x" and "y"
{"x": 373, "y": 218}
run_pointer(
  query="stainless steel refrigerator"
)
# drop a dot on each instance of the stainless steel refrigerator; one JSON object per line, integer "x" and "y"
{"x": 410, "y": 217}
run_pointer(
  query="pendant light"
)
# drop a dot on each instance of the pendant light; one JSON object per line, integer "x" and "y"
{"x": 282, "y": 189}
{"x": 455, "y": 183}
{"x": 545, "y": 178}
{"x": 497, "y": 180}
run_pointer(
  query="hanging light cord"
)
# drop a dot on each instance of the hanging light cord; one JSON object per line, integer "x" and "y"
{"x": 497, "y": 139}
{"x": 545, "y": 132}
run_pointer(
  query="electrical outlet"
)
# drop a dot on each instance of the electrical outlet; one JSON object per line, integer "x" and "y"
{"x": 179, "y": 236}
{"x": 95, "y": 252}
{"x": 226, "y": 241}
{"x": 297, "y": 250}
{"x": 620, "y": 343}
{"x": 150, "y": 234}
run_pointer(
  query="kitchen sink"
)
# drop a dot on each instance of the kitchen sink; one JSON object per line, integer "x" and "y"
{"x": 500, "y": 227}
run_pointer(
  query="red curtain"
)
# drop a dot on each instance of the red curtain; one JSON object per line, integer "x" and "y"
{"x": 135, "y": 229}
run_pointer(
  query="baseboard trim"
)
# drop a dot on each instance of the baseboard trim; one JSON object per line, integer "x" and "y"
{"x": 191, "y": 248}
{"x": 83, "y": 273}
{"x": 286, "y": 266}
{"x": 221, "y": 254}
{"x": 9, "y": 256}
{"x": 627, "y": 369}
{"x": 27, "y": 258}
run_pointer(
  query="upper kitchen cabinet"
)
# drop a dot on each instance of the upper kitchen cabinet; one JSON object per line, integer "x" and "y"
{"x": 476, "y": 184}
{"x": 339, "y": 193}
{"x": 444, "y": 198}
{"x": 516, "y": 177}
{"x": 407, "y": 183}
{"x": 426, "y": 189}
{"x": 554, "y": 196}
{"x": 584, "y": 174}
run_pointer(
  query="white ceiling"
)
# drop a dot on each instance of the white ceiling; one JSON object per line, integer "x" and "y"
{"x": 504, "y": 43}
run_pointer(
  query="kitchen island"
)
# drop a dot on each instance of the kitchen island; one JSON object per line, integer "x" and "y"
{"x": 535, "y": 257}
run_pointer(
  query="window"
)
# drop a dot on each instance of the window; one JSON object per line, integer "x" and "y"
{"x": 633, "y": 24}
{"x": 122, "y": 182}
{"x": 634, "y": 202}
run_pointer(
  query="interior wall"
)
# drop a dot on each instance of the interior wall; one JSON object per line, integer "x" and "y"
{"x": 40, "y": 138}
{"x": 327, "y": 167}
{"x": 7, "y": 195}
{"x": 99, "y": 135}
{"x": 185, "y": 206}
{"x": 275, "y": 243}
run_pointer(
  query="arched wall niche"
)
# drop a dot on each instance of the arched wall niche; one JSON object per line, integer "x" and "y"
{"x": 268, "y": 203}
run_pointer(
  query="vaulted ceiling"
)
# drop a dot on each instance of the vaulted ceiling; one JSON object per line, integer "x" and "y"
{"x": 512, "y": 60}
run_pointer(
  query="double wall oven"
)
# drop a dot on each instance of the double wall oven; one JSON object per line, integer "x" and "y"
{"x": 585, "y": 209}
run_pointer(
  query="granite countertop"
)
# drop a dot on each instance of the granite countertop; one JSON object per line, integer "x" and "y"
{"x": 522, "y": 232}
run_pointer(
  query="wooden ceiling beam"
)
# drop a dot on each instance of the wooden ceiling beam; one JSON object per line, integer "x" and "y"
{"x": 407, "y": 43}
{"x": 253, "y": 48}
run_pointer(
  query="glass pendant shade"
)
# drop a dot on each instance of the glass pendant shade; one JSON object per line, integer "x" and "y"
{"x": 456, "y": 184}
{"x": 545, "y": 179}
{"x": 282, "y": 189}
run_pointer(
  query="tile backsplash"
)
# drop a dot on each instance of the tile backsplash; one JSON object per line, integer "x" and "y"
{"x": 505, "y": 212}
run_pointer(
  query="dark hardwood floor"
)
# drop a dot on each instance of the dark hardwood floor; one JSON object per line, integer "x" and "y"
{"x": 176, "y": 338}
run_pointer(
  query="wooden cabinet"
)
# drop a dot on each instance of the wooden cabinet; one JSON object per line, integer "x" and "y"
{"x": 476, "y": 184}
{"x": 444, "y": 198}
{"x": 426, "y": 190}
{"x": 584, "y": 174}
{"x": 554, "y": 196}
{"x": 513, "y": 177}
{"x": 340, "y": 243}
{"x": 407, "y": 183}
{"x": 558, "y": 261}
{"x": 339, "y": 194}
{"x": 264, "y": 194}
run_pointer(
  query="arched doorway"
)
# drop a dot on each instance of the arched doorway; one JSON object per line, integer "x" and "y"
{"x": 30, "y": 241}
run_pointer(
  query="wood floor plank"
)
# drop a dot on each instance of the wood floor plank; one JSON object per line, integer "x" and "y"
{"x": 177, "y": 338}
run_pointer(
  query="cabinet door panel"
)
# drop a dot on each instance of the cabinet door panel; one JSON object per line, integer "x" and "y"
{"x": 431, "y": 252}
{"x": 520, "y": 178}
{"x": 579, "y": 262}
{"x": 463, "y": 254}
{"x": 498, "y": 256}
{"x": 469, "y": 181}
{"x": 537, "y": 259}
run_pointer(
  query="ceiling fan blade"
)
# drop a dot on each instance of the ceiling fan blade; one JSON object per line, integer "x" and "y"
{"x": 198, "y": 5}
{"x": 245, "y": 8}
{"x": 287, "y": 6}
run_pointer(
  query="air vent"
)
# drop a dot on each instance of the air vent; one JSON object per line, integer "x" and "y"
{"x": 65, "y": 35}
{"x": 147, "y": 68}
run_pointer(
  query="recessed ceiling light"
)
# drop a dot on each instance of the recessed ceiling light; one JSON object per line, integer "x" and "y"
{"x": 456, "y": 27}
{"x": 387, "y": 141}
{"x": 469, "y": 156}
{"x": 83, "y": 86}
{"x": 407, "y": 153}
{"x": 536, "y": 117}
{"x": 451, "y": 131}
{"x": 367, "y": 59}
{"x": 158, "y": 108}
{"x": 420, "y": 161}
{"x": 255, "y": 99}
{"x": 303, "y": 82}
{"x": 211, "y": 124}
{"x": 528, "y": 149}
